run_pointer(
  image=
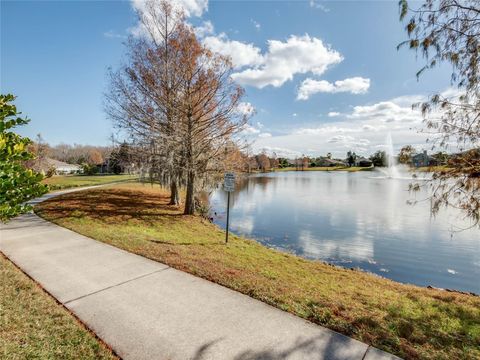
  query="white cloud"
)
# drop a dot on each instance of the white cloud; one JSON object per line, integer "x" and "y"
{"x": 265, "y": 135}
{"x": 249, "y": 130}
{"x": 279, "y": 151}
{"x": 256, "y": 24}
{"x": 279, "y": 64}
{"x": 283, "y": 60}
{"x": 367, "y": 127}
{"x": 333, "y": 114}
{"x": 386, "y": 112}
{"x": 325, "y": 129}
{"x": 193, "y": 7}
{"x": 408, "y": 100}
{"x": 206, "y": 28}
{"x": 245, "y": 108}
{"x": 355, "y": 85}
{"x": 350, "y": 142}
{"x": 363, "y": 129}
{"x": 189, "y": 7}
{"x": 341, "y": 138}
{"x": 113, "y": 34}
{"x": 252, "y": 132}
{"x": 242, "y": 54}
{"x": 316, "y": 4}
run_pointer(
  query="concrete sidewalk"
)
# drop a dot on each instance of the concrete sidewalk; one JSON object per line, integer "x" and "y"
{"x": 146, "y": 310}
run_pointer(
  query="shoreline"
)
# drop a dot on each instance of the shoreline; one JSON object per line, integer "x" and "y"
{"x": 323, "y": 168}
{"x": 275, "y": 248}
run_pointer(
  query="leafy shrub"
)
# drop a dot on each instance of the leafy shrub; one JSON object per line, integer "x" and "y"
{"x": 89, "y": 169}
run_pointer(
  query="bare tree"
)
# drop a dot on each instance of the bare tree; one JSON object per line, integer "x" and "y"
{"x": 94, "y": 157}
{"x": 41, "y": 151}
{"x": 208, "y": 102}
{"x": 177, "y": 102}
{"x": 274, "y": 161}
{"x": 263, "y": 162}
{"x": 141, "y": 97}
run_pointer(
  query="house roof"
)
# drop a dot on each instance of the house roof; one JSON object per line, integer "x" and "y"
{"x": 60, "y": 164}
{"x": 332, "y": 161}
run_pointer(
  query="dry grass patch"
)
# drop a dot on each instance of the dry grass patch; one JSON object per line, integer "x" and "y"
{"x": 34, "y": 326}
{"x": 409, "y": 321}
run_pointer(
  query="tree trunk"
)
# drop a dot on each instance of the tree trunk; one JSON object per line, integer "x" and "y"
{"x": 174, "y": 196}
{"x": 190, "y": 199}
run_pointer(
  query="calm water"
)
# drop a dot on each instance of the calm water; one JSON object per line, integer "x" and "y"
{"x": 355, "y": 220}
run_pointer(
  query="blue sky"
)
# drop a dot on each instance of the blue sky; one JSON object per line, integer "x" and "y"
{"x": 321, "y": 76}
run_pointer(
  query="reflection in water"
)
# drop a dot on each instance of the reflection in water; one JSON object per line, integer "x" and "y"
{"x": 355, "y": 220}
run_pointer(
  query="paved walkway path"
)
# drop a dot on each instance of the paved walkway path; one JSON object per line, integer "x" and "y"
{"x": 147, "y": 310}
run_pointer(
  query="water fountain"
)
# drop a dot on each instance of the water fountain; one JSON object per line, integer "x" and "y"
{"x": 392, "y": 169}
{"x": 397, "y": 171}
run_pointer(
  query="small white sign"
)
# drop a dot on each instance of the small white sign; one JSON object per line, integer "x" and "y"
{"x": 229, "y": 182}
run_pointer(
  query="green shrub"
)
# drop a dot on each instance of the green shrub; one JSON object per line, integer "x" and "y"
{"x": 89, "y": 169}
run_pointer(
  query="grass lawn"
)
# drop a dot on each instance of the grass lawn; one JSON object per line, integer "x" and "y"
{"x": 58, "y": 182}
{"x": 34, "y": 326}
{"x": 329, "y": 168}
{"x": 409, "y": 321}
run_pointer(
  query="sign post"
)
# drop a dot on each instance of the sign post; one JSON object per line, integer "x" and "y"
{"x": 228, "y": 186}
{"x": 228, "y": 216}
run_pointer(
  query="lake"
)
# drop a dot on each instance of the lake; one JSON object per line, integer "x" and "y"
{"x": 355, "y": 220}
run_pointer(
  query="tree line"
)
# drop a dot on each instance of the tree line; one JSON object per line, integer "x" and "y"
{"x": 70, "y": 154}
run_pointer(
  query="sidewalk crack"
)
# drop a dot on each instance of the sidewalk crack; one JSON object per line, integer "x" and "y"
{"x": 115, "y": 285}
{"x": 366, "y": 351}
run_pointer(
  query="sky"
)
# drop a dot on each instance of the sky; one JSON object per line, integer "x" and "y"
{"x": 319, "y": 76}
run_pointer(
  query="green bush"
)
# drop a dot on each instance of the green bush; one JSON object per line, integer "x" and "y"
{"x": 18, "y": 184}
{"x": 89, "y": 169}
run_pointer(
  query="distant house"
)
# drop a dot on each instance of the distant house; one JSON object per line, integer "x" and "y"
{"x": 326, "y": 162}
{"x": 423, "y": 159}
{"x": 61, "y": 167}
{"x": 363, "y": 162}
